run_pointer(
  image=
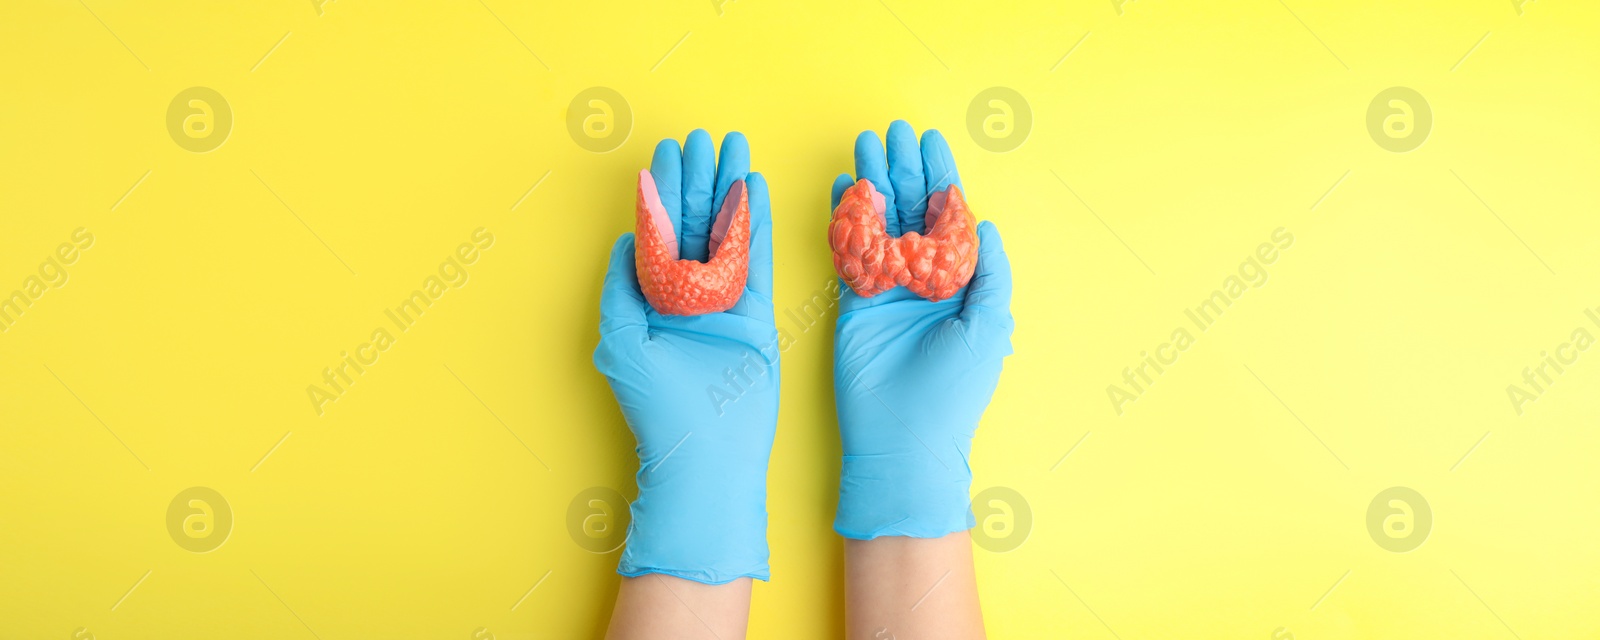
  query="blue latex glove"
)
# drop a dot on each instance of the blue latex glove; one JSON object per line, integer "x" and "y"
{"x": 700, "y": 393}
{"x": 912, "y": 377}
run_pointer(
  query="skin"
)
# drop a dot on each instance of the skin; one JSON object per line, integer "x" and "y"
{"x": 655, "y": 606}
{"x": 897, "y": 587}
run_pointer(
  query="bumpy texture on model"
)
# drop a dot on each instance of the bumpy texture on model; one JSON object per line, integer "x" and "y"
{"x": 933, "y": 266}
{"x": 689, "y": 287}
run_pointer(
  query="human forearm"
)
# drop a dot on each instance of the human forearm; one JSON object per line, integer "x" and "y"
{"x": 658, "y": 606}
{"x": 911, "y": 588}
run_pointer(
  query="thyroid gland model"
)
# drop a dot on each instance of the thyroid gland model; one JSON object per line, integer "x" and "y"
{"x": 933, "y": 266}
{"x": 680, "y": 287}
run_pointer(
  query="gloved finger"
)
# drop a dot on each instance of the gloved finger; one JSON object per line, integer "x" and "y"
{"x": 667, "y": 169}
{"x": 623, "y": 316}
{"x": 988, "y": 300}
{"x": 938, "y": 165}
{"x": 699, "y": 177}
{"x": 871, "y": 165}
{"x": 733, "y": 163}
{"x": 905, "y": 172}
{"x": 760, "y": 279}
{"x": 839, "y": 185}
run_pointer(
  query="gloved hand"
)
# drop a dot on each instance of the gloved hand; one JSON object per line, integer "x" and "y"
{"x": 700, "y": 393}
{"x": 912, "y": 377}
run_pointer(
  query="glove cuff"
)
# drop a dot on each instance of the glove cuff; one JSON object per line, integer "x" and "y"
{"x": 911, "y": 495}
{"x": 708, "y": 529}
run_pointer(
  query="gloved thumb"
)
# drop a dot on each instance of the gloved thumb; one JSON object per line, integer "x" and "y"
{"x": 622, "y": 304}
{"x": 986, "y": 312}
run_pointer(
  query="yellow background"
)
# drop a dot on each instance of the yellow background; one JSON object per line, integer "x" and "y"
{"x": 1191, "y": 130}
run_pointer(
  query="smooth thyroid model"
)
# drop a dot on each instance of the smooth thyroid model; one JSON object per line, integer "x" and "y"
{"x": 933, "y": 266}
{"x": 679, "y": 287}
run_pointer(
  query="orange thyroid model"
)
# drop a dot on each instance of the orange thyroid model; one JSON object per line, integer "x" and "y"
{"x": 933, "y": 266}
{"x": 679, "y": 287}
